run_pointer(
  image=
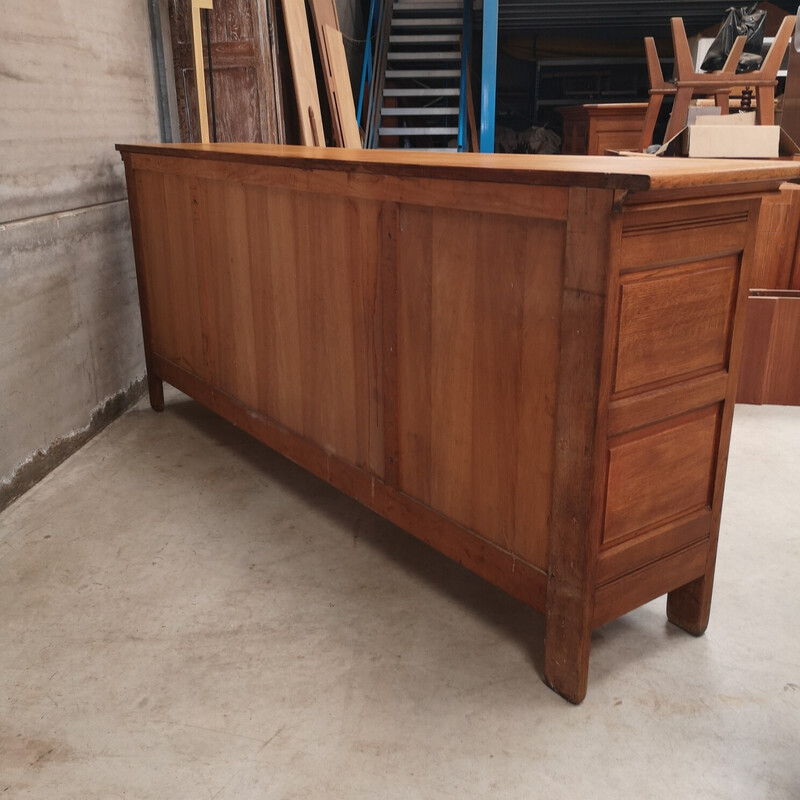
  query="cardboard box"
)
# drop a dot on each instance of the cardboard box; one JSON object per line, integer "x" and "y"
{"x": 733, "y": 141}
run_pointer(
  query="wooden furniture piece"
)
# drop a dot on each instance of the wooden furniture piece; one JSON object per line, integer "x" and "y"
{"x": 247, "y": 86}
{"x": 770, "y": 371}
{"x": 528, "y": 362}
{"x": 660, "y": 88}
{"x": 594, "y": 129}
{"x": 689, "y": 82}
{"x": 790, "y": 120}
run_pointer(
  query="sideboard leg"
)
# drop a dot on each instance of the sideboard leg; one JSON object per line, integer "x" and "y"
{"x": 566, "y": 652}
{"x": 690, "y": 606}
{"x": 155, "y": 388}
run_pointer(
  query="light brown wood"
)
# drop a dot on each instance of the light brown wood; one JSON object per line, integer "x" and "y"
{"x": 636, "y": 174}
{"x": 769, "y": 365}
{"x": 323, "y": 13}
{"x": 674, "y": 322}
{"x": 689, "y": 83}
{"x": 771, "y": 360}
{"x": 343, "y": 110}
{"x": 459, "y": 345}
{"x": 593, "y": 130}
{"x": 197, "y": 46}
{"x": 303, "y": 74}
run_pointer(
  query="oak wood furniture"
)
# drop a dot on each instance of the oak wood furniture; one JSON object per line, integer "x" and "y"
{"x": 660, "y": 88}
{"x": 770, "y": 371}
{"x": 528, "y": 362}
{"x": 594, "y": 129}
{"x": 689, "y": 82}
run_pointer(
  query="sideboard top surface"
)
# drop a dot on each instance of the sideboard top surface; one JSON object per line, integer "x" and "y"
{"x": 632, "y": 174}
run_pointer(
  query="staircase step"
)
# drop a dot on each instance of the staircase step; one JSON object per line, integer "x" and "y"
{"x": 411, "y": 5}
{"x": 426, "y": 22}
{"x": 399, "y": 74}
{"x": 388, "y": 111}
{"x": 418, "y": 131}
{"x": 420, "y": 92}
{"x": 423, "y": 56}
{"x": 425, "y": 38}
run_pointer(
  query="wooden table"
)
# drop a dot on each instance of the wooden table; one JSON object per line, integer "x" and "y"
{"x": 594, "y": 129}
{"x": 529, "y": 362}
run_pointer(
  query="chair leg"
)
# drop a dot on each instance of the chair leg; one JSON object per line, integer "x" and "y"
{"x": 723, "y": 101}
{"x": 680, "y": 111}
{"x": 765, "y": 105}
{"x": 650, "y": 120}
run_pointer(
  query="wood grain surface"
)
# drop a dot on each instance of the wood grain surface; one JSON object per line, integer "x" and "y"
{"x": 633, "y": 174}
{"x": 526, "y": 370}
{"x": 303, "y": 73}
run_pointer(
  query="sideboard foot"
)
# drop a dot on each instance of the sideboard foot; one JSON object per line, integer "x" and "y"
{"x": 155, "y": 388}
{"x": 690, "y": 606}
{"x": 566, "y": 660}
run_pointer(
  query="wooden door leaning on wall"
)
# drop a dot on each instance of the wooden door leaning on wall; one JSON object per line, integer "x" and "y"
{"x": 244, "y": 53}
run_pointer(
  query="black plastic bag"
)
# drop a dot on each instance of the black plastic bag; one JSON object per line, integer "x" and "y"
{"x": 743, "y": 21}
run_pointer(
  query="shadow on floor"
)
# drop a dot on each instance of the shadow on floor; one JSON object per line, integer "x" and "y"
{"x": 484, "y": 601}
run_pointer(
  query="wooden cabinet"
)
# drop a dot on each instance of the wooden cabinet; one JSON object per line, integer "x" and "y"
{"x": 771, "y": 364}
{"x": 529, "y": 362}
{"x": 594, "y": 129}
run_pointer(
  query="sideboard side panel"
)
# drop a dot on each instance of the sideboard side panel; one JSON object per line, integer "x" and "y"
{"x": 682, "y": 279}
{"x": 479, "y": 299}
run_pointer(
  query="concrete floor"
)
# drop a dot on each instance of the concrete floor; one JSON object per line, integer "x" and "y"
{"x": 187, "y": 615}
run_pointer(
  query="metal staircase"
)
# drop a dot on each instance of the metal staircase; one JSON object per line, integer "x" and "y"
{"x": 418, "y": 75}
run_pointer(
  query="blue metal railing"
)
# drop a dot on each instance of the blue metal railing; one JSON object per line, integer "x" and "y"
{"x": 488, "y": 75}
{"x": 366, "y": 69}
{"x": 466, "y": 38}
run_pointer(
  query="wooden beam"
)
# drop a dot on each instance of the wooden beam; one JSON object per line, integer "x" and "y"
{"x": 337, "y": 78}
{"x": 199, "y": 70}
{"x": 305, "y": 79}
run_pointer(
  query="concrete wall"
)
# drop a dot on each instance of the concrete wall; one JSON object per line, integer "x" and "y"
{"x": 75, "y": 78}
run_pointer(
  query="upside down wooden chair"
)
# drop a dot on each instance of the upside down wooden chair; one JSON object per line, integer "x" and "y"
{"x": 689, "y": 82}
{"x": 660, "y": 88}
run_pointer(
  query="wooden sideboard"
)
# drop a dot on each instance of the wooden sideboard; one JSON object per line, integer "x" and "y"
{"x": 770, "y": 370}
{"x": 591, "y": 130}
{"x": 528, "y": 362}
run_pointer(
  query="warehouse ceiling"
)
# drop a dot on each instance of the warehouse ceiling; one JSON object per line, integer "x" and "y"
{"x": 618, "y": 18}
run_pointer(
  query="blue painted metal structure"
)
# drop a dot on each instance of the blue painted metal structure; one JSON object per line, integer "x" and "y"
{"x": 466, "y": 39}
{"x": 488, "y": 75}
{"x": 366, "y": 69}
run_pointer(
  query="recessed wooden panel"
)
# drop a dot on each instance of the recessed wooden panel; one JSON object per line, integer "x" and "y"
{"x": 174, "y": 292}
{"x": 478, "y": 315}
{"x": 770, "y": 371}
{"x": 777, "y": 239}
{"x": 660, "y": 473}
{"x": 675, "y": 322}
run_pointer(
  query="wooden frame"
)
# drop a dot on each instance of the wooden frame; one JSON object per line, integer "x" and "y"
{"x": 527, "y": 362}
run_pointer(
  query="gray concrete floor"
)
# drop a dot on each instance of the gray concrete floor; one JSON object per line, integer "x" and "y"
{"x": 184, "y": 614}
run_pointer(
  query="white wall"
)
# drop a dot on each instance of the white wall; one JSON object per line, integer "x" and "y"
{"x": 75, "y": 78}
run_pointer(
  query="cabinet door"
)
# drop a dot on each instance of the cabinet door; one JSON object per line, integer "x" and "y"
{"x": 246, "y": 84}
